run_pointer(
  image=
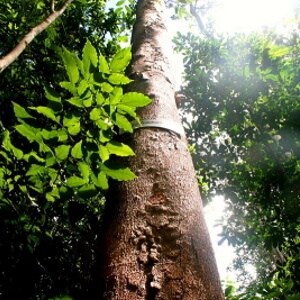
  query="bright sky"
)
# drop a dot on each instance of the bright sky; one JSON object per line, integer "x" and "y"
{"x": 249, "y": 15}
{"x": 223, "y": 253}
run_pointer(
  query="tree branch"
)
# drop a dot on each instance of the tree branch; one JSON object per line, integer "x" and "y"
{"x": 27, "y": 39}
{"x": 52, "y": 6}
{"x": 199, "y": 21}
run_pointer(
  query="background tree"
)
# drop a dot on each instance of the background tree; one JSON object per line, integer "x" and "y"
{"x": 244, "y": 131}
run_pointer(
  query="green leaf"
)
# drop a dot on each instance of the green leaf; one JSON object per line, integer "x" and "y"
{"x": 74, "y": 129}
{"x": 68, "y": 86}
{"x": 103, "y": 182}
{"x": 70, "y": 120}
{"x": 50, "y": 161}
{"x": 118, "y": 10}
{"x": 75, "y": 181}
{"x": 119, "y": 149}
{"x": 104, "y": 67}
{"x": 54, "y": 175}
{"x": 47, "y": 112}
{"x": 83, "y": 85}
{"x": 6, "y": 142}
{"x": 35, "y": 169}
{"x": 105, "y": 136}
{"x": 273, "y": 295}
{"x": 119, "y": 79}
{"x": 62, "y": 135}
{"x": 123, "y": 39}
{"x": 100, "y": 98}
{"x": 48, "y": 135}
{"x": 20, "y": 112}
{"x": 53, "y": 97}
{"x": 95, "y": 114}
{"x": 272, "y": 77}
{"x": 44, "y": 148}
{"x": 84, "y": 170}
{"x": 17, "y": 153}
{"x": 116, "y": 95}
{"x": 120, "y": 2}
{"x": 70, "y": 65}
{"x": 5, "y": 156}
{"x": 123, "y": 123}
{"x": 33, "y": 156}
{"x": 81, "y": 68}
{"x": 117, "y": 171}
{"x": 120, "y": 60}
{"x": 88, "y": 102}
{"x": 51, "y": 197}
{"x": 103, "y": 124}
{"x": 279, "y": 51}
{"x": 106, "y": 87}
{"x": 76, "y": 151}
{"x": 100, "y": 180}
{"x": 134, "y": 99}
{"x": 40, "y": 5}
{"x": 89, "y": 55}
{"x": 124, "y": 109}
{"x": 87, "y": 191}
{"x": 76, "y": 102}
{"x": 38, "y": 184}
{"x": 62, "y": 152}
{"x": 104, "y": 153}
{"x": 27, "y": 132}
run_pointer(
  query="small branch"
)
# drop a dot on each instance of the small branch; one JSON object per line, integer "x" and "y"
{"x": 52, "y": 6}
{"x": 199, "y": 21}
{"x": 27, "y": 39}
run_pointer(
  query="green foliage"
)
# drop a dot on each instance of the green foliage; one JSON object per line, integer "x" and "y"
{"x": 74, "y": 149}
{"x": 70, "y": 143}
{"x": 243, "y": 95}
{"x": 46, "y": 226}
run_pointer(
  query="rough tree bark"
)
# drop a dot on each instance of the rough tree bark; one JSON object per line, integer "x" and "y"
{"x": 156, "y": 241}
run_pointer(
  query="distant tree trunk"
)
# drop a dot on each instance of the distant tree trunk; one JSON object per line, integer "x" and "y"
{"x": 156, "y": 241}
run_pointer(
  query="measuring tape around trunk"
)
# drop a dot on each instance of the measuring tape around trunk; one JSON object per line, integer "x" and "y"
{"x": 160, "y": 123}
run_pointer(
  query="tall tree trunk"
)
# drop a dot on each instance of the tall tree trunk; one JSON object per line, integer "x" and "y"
{"x": 156, "y": 241}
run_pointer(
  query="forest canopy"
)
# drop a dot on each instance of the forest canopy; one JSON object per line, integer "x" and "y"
{"x": 243, "y": 124}
{"x": 67, "y": 90}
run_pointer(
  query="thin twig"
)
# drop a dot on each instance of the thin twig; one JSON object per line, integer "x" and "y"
{"x": 52, "y": 6}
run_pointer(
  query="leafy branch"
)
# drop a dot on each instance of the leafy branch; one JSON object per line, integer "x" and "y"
{"x": 71, "y": 142}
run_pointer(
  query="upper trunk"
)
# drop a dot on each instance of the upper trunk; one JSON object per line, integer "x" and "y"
{"x": 156, "y": 242}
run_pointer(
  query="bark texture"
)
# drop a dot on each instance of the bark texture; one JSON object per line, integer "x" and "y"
{"x": 156, "y": 241}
